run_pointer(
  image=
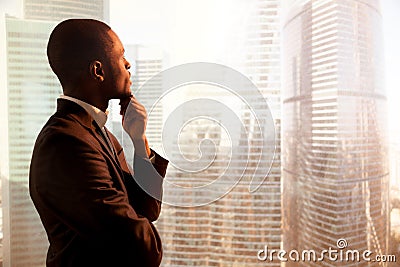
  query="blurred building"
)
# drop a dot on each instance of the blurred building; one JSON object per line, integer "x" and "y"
{"x": 30, "y": 96}
{"x": 263, "y": 67}
{"x": 334, "y": 153}
{"x": 395, "y": 165}
{"x": 230, "y": 230}
{"x": 148, "y": 62}
{"x": 32, "y": 90}
{"x": 56, "y": 10}
{"x": 394, "y": 199}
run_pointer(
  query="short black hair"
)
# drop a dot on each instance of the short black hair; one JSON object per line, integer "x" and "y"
{"x": 73, "y": 45}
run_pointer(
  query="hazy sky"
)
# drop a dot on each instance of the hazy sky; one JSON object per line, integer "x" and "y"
{"x": 189, "y": 28}
{"x": 194, "y": 31}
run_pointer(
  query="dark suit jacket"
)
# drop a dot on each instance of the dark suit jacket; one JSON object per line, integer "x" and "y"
{"x": 92, "y": 209}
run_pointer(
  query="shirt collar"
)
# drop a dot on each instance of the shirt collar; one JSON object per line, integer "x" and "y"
{"x": 99, "y": 116}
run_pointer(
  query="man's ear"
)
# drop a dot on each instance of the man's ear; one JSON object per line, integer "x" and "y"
{"x": 97, "y": 71}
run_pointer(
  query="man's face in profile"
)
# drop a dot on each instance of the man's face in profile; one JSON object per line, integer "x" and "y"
{"x": 118, "y": 83}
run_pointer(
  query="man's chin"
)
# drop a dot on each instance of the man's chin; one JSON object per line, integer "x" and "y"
{"x": 128, "y": 93}
{"x": 123, "y": 96}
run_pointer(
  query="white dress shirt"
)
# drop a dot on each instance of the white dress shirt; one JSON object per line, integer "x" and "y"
{"x": 98, "y": 115}
{"x": 141, "y": 167}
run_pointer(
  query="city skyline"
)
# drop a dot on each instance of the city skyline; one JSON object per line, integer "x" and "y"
{"x": 137, "y": 23}
{"x": 198, "y": 40}
{"x": 135, "y": 20}
{"x": 232, "y": 227}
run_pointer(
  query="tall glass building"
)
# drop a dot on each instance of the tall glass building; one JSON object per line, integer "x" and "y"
{"x": 263, "y": 67}
{"x": 230, "y": 230}
{"x": 56, "y": 10}
{"x": 32, "y": 89}
{"x": 148, "y": 61}
{"x": 30, "y": 95}
{"x": 334, "y": 153}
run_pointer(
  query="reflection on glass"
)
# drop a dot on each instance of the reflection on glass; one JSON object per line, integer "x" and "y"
{"x": 334, "y": 154}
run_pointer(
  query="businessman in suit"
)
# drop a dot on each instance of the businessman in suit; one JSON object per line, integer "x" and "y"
{"x": 96, "y": 212}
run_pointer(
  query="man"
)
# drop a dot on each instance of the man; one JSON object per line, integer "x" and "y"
{"x": 94, "y": 211}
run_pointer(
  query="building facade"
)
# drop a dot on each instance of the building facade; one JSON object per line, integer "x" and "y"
{"x": 263, "y": 67}
{"x": 334, "y": 154}
{"x": 55, "y": 10}
{"x": 32, "y": 90}
{"x": 231, "y": 230}
{"x": 148, "y": 62}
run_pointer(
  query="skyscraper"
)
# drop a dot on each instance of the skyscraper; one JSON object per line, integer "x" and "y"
{"x": 334, "y": 153}
{"x": 263, "y": 66}
{"x": 31, "y": 93}
{"x": 148, "y": 61}
{"x": 55, "y": 10}
{"x": 230, "y": 230}
{"x": 32, "y": 89}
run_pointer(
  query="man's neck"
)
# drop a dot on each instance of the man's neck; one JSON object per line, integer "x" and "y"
{"x": 96, "y": 102}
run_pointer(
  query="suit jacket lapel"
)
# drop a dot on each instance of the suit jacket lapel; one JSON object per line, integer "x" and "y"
{"x": 96, "y": 131}
{"x": 81, "y": 116}
{"x": 101, "y": 138}
{"x": 120, "y": 155}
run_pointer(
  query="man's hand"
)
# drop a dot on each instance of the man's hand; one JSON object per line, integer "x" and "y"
{"x": 134, "y": 120}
